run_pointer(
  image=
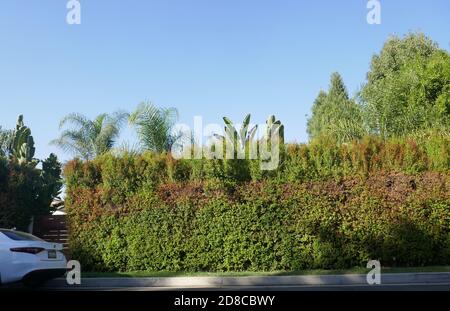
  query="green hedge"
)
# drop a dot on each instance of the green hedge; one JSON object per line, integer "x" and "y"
{"x": 327, "y": 206}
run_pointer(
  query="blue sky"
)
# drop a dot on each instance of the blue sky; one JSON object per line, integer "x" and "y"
{"x": 205, "y": 57}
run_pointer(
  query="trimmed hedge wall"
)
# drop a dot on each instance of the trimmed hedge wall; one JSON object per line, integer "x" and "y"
{"x": 327, "y": 206}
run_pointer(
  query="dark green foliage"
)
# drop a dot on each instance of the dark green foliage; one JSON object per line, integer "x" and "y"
{"x": 17, "y": 195}
{"x": 51, "y": 182}
{"x": 26, "y": 191}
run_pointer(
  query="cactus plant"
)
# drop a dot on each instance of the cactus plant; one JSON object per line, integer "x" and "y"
{"x": 21, "y": 145}
{"x": 274, "y": 127}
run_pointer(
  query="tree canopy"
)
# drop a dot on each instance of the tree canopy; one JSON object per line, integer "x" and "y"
{"x": 407, "y": 92}
{"x": 408, "y": 87}
{"x": 335, "y": 114}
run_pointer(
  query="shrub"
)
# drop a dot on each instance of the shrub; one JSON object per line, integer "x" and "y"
{"x": 265, "y": 227}
{"x": 26, "y": 191}
{"x": 327, "y": 206}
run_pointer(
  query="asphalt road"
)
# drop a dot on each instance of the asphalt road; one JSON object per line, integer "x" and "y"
{"x": 391, "y": 282}
{"x": 390, "y": 287}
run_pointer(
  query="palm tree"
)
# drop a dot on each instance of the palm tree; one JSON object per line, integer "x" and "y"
{"x": 88, "y": 139}
{"x": 154, "y": 126}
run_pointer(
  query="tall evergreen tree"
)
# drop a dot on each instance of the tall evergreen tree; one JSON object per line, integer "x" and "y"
{"x": 337, "y": 87}
{"x": 315, "y": 124}
{"x": 335, "y": 114}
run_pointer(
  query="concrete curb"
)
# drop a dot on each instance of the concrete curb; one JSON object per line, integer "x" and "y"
{"x": 219, "y": 282}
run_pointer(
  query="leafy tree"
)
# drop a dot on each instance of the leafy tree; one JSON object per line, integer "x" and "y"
{"x": 408, "y": 87}
{"x": 335, "y": 114}
{"x": 154, "y": 126}
{"x": 88, "y": 139}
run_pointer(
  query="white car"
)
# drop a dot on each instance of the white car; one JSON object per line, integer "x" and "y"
{"x": 26, "y": 258}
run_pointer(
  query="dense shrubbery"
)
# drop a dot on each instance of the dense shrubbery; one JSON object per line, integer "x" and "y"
{"x": 327, "y": 206}
{"x": 26, "y": 191}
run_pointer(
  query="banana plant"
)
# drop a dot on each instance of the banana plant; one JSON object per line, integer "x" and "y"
{"x": 238, "y": 138}
{"x": 21, "y": 146}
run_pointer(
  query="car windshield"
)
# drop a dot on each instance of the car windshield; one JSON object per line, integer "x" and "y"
{"x": 19, "y": 236}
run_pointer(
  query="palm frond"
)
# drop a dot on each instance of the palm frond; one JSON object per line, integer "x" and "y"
{"x": 154, "y": 126}
{"x": 90, "y": 138}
